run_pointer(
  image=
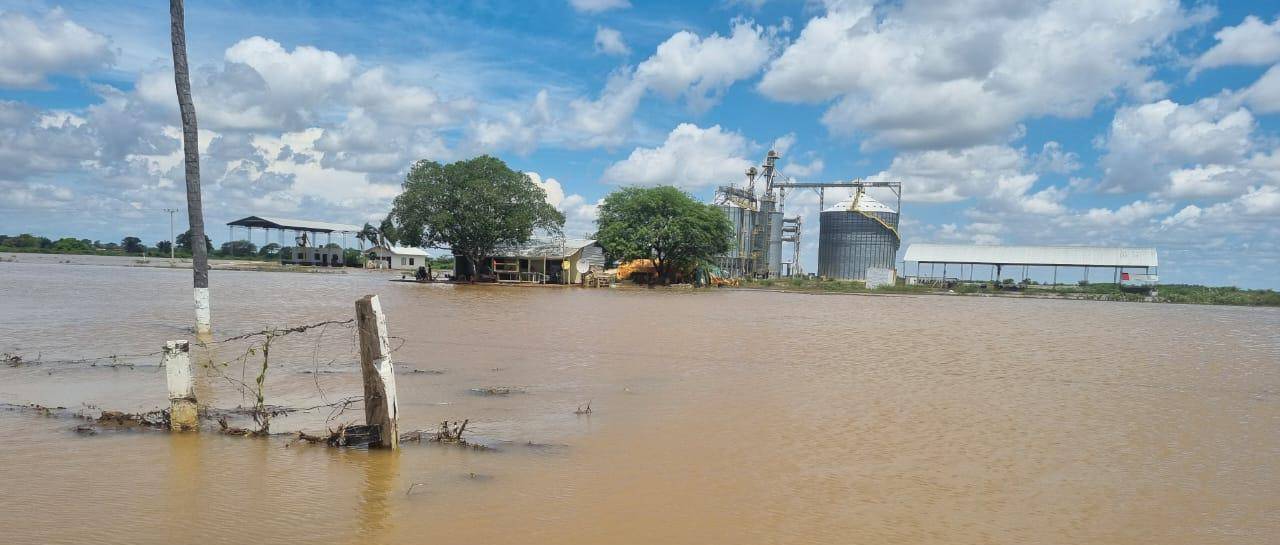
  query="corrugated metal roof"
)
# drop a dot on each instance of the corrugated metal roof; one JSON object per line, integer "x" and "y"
{"x": 298, "y": 225}
{"x": 1075, "y": 256}
{"x": 866, "y": 203}
{"x": 545, "y": 248}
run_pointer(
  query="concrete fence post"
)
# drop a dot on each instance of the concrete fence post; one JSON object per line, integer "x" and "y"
{"x": 182, "y": 388}
{"x": 380, "y": 407}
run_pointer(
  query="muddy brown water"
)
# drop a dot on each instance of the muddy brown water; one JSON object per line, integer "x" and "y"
{"x": 718, "y": 417}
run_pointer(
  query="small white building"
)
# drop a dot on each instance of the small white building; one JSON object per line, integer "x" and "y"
{"x": 396, "y": 257}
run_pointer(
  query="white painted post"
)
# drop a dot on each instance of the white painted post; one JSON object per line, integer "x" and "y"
{"x": 182, "y": 387}
{"x": 204, "y": 329}
{"x": 380, "y": 407}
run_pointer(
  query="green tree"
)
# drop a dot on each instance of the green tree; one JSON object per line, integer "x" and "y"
{"x": 163, "y": 247}
{"x": 472, "y": 207}
{"x": 269, "y": 250}
{"x": 387, "y": 233}
{"x": 184, "y": 242}
{"x": 369, "y": 234}
{"x": 239, "y": 248}
{"x": 663, "y": 224}
{"x": 28, "y": 240}
{"x": 132, "y": 245}
{"x": 352, "y": 258}
{"x": 72, "y": 245}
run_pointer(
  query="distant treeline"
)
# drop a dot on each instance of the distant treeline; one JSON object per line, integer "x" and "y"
{"x": 134, "y": 246}
{"x": 1165, "y": 293}
{"x": 29, "y": 243}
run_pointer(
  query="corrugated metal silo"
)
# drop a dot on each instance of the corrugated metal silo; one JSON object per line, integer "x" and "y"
{"x": 852, "y": 238}
{"x": 775, "y": 244}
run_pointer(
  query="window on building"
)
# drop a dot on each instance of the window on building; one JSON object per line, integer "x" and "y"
{"x": 402, "y": 261}
{"x": 411, "y": 262}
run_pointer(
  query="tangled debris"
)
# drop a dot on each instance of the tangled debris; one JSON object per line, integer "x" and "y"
{"x": 347, "y": 435}
{"x": 581, "y": 410}
{"x": 13, "y": 360}
{"x": 129, "y": 421}
{"x": 497, "y": 390}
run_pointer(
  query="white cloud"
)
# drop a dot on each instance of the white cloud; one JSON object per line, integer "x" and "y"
{"x": 1148, "y": 142}
{"x": 1261, "y": 201}
{"x": 597, "y": 6}
{"x": 294, "y": 79}
{"x": 1187, "y": 216}
{"x": 691, "y": 157}
{"x": 699, "y": 69}
{"x": 804, "y": 170}
{"x": 955, "y": 175}
{"x": 374, "y": 92}
{"x": 929, "y": 75}
{"x": 1128, "y": 214}
{"x": 1252, "y": 42}
{"x": 1263, "y": 96}
{"x": 782, "y": 144}
{"x": 579, "y": 214}
{"x": 1052, "y": 159}
{"x": 609, "y": 41}
{"x": 605, "y": 121}
{"x": 32, "y": 49}
{"x": 703, "y": 68}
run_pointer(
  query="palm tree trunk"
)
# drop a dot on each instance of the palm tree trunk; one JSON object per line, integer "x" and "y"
{"x": 190, "y": 145}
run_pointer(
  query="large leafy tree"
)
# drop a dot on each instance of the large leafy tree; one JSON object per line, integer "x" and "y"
{"x": 184, "y": 242}
{"x": 472, "y": 207}
{"x": 663, "y": 224}
{"x": 132, "y": 245}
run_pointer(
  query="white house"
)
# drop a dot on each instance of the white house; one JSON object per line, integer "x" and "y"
{"x": 396, "y": 257}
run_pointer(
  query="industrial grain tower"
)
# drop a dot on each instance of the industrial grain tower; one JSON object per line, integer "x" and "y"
{"x": 855, "y": 235}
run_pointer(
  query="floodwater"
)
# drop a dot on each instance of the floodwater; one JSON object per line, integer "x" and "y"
{"x": 717, "y": 416}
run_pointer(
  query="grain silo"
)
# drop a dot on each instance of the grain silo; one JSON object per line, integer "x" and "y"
{"x": 857, "y": 234}
{"x": 738, "y": 261}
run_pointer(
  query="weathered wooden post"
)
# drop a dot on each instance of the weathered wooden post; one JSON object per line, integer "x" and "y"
{"x": 182, "y": 386}
{"x": 380, "y": 408}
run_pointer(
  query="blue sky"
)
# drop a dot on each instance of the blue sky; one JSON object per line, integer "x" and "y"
{"x": 1149, "y": 122}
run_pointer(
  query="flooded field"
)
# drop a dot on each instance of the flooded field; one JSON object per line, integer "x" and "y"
{"x": 718, "y": 416}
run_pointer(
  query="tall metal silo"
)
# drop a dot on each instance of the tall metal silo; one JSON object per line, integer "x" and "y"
{"x": 857, "y": 234}
{"x": 775, "y": 244}
{"x": 736, "y": 261}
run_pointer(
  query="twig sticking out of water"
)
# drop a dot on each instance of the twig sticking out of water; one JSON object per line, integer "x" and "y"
{"x": 582, "y": 410}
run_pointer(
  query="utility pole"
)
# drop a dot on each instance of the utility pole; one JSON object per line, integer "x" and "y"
{"x": 172, "y": 243}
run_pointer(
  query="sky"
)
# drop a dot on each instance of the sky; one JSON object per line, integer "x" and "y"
{"x": 1136, "y": 123}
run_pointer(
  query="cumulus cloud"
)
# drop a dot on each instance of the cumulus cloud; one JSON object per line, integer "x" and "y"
{"x": 1261, "y": 201}
{"x": 33, "y": 49}
{"x": 1146, "y": 143}
{"x": 579, "y": 213}
{"x": 1252, "y": 42}
{"x": 690, "y": 157}
{"x": 597, "y": 6}
{"x": 375, "y": 92}
{"x": 925, "y": 75}
{"x": 609, "y": 41}
{"x": 1053, "y": 159}
{"x": 986, "y": 171}
{"x": 701, "y": 69}
{"x": 1263, "y": 96}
